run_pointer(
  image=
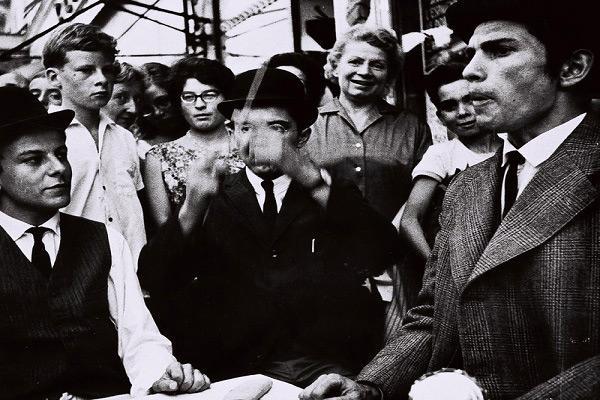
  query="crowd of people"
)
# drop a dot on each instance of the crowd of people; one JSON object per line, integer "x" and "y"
{"x": 165, "y": 226}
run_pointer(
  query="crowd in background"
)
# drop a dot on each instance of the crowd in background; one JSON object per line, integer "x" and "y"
{"x": 284, "y": 267}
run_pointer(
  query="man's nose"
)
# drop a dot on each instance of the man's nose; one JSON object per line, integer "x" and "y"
{"x": 199, "y": 103}
{"x": 57, "y": 166}
{"x": 465, "y": 108}
{"x": 474, "y": 71}
{"x": 131, "y": 107}
{"x": 364, "y": 69}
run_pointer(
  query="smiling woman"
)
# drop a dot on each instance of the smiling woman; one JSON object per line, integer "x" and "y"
{"x": 361, "y": 137}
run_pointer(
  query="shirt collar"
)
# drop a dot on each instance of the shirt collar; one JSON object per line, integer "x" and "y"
{"x": 105, "y": 121}
{"x": 334, "y": 106}
{"x": 280, "y": 184}
{"x": 16, "y": 228}
{"x": 541, "y": 147}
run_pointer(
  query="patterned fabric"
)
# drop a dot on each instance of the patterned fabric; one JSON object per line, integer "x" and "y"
{"x": 175, "y": 160}
{"x": 514, "y": 302}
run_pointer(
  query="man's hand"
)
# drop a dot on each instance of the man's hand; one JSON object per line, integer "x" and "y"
{"x": 181, "y": 378}
{"x": 203, "y": 181}
{"x": 204, "y": 177}
{"x": 336, "y": 386}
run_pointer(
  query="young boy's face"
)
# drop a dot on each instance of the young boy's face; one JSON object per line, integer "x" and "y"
{"x": 455, "y": 109}
{"x": 86, "y": 79}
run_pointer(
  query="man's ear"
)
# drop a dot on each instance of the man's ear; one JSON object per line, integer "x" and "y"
{"x": 576, "y": 68}
{"x": 52, "y": 75}
{"x": 229, "y": 126}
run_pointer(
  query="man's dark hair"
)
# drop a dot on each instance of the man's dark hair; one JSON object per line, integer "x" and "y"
{"x": 80, "y": 37}
{"x": 440, "y": 76}
{"x": 315, "y": 79}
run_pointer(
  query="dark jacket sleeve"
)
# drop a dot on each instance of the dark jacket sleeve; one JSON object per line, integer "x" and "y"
{"x": 164, "y": 261}
{"x": 371, "y": 242}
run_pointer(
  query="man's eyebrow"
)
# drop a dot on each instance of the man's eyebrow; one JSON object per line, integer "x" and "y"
{"x": 30, "y": 152}
{"x": 497, "y": 42}
{"x": 279, "y": 121}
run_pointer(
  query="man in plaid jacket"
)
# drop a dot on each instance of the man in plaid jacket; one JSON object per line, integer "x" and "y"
{"x": 511, "y": 292}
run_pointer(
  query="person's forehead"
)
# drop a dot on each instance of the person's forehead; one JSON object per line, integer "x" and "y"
{"x": 38, "y": 138}
{"x": 256, "y": 113}
{"x": 509, "y": 31}
{"x": 453, "y": 90}
{"x": 193, "y": 84}
{"x": 81, "y": 57}
{"x": 363, "y": 49}
{"x": 131, "y": 86}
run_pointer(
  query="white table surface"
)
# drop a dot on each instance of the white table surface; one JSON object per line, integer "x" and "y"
{"x": 218, "y": 390}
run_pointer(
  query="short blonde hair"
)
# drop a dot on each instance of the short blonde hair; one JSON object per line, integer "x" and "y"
{"x": 377, "y": 37}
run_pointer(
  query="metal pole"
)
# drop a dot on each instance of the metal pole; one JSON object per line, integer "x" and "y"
{"x": 217, "y": 34}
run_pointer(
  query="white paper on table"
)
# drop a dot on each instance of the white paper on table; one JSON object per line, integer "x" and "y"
{"x": 218, "y": 390}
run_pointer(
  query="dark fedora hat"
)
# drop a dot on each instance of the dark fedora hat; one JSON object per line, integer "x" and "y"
{"x": 270, "y": 87}
{"x": 19, "y": 110}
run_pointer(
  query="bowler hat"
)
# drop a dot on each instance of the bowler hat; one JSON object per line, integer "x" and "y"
{"x": 270, "y": 87}
{"x": 20, "y": 109}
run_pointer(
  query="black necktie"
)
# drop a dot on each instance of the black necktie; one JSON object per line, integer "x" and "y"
{"x": 39, "y": 256}
{"x": 269, "y": 206}
{"x": 511, "y": 183}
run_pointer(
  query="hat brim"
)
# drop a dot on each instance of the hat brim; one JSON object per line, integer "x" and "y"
{"x": 305, "y": 112}
{"x": 58, "y": 120}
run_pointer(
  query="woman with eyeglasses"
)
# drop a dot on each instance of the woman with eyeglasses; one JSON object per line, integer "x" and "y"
{"x": 197, "y": 85}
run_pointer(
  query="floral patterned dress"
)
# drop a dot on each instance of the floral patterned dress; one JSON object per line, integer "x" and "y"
{"x": 175, "y": 160}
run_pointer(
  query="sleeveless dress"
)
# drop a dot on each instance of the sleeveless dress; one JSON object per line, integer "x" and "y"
{"x": 175, "y": 160}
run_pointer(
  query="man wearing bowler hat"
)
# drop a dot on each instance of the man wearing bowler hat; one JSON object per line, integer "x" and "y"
{"x": 73, "y": 317}
{"x": 511, "y": 292}
{"x": 262, "y": 271}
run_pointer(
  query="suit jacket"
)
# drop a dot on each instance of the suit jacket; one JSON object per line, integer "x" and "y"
{"x": 516, "y": 302}
{"x": 232, "y": 296}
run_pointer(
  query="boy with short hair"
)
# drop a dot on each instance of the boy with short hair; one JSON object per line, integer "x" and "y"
{"x": 449, "y": 93}
{"x": 80, "y": 60}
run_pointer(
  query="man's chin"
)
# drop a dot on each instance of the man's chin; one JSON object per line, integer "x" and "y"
{"x": 266, "y": 171}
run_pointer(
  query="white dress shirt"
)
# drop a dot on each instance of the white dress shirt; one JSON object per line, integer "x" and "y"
{"x": 144, "y": 351}
{"x": 105, "y": 182}
{"x": 280, "y": 188}
{"x": 536, "y": 151}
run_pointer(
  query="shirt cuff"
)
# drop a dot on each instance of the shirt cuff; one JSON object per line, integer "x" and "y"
{"x": 155, "y": 368}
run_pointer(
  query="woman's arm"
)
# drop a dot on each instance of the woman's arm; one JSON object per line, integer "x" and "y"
{"x": 158, "y": 200}
{"x": 417, "y": 205}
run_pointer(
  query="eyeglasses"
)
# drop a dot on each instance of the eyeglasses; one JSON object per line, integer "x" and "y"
{"x": 208, "y": 96}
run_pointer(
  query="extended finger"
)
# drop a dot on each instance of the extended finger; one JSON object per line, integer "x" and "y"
{"x": 188, "y": 377}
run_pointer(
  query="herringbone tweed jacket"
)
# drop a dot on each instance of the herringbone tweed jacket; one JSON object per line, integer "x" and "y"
{"x": 516, "y": 303}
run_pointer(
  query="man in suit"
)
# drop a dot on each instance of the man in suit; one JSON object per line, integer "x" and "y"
{"x": 262, "y": 271}
{"x": 512, "y": 290}
{"x": 73, "y": 317}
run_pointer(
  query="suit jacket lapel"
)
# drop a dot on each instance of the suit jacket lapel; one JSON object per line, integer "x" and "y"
{"x": 563, "y": 186}
{"x": 240, "y": 194}
{"x": 477, "y": 221}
